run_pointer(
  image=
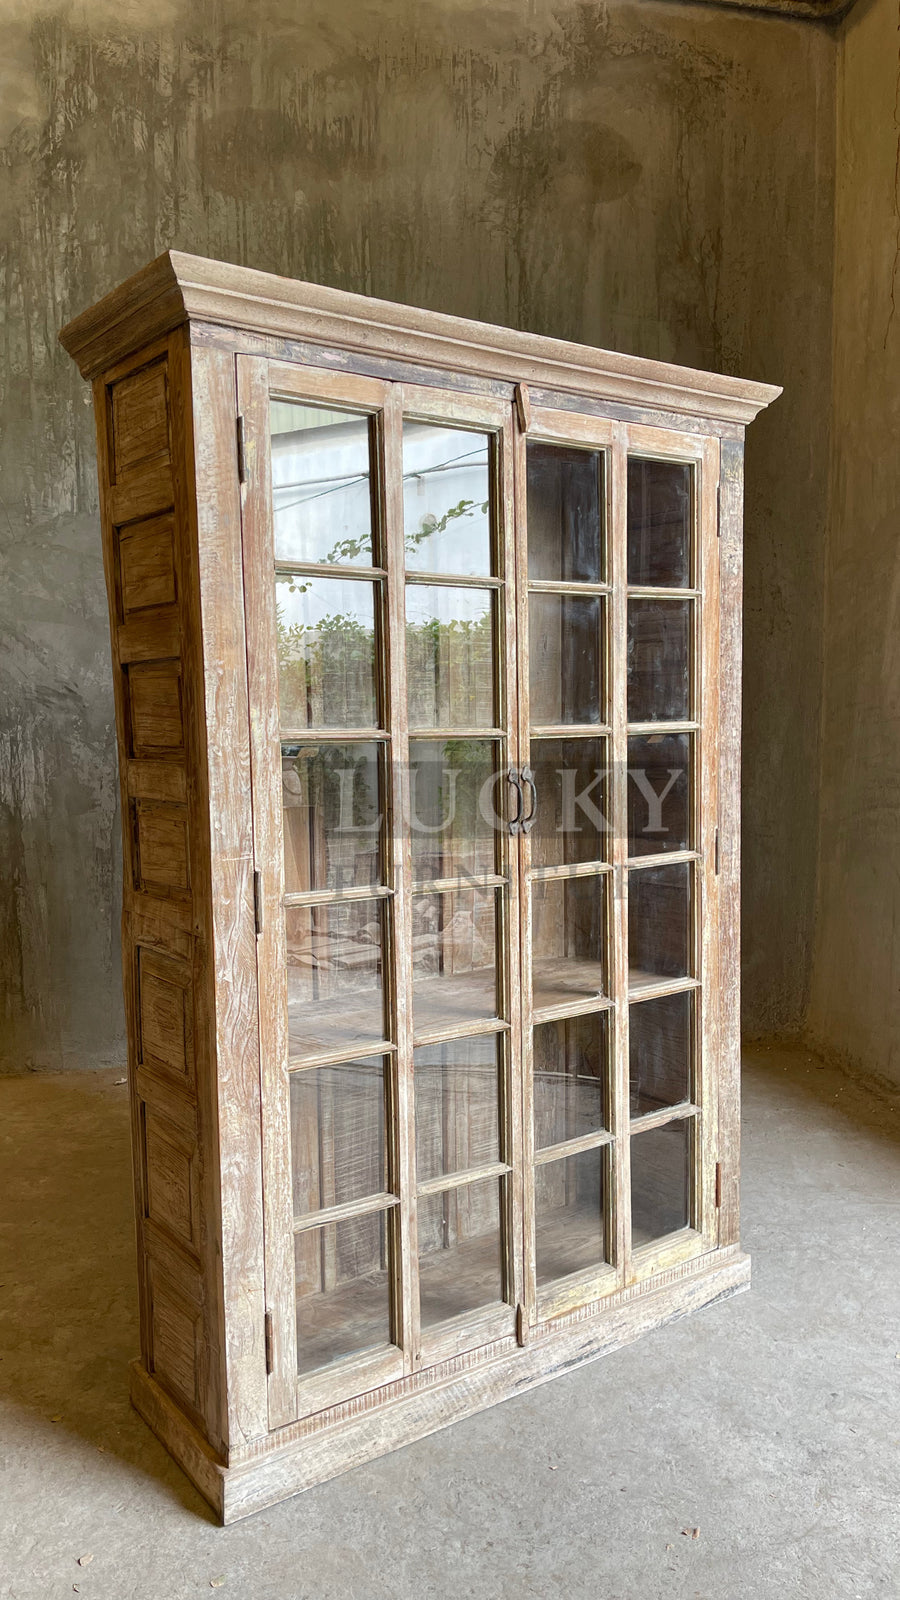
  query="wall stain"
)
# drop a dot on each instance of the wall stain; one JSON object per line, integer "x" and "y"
{"x": 623, "y": 175}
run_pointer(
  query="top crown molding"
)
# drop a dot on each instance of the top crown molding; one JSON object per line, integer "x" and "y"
{"x": 178, "y": 288}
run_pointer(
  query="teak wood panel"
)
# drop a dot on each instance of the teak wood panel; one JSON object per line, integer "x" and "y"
{"x": 167, "y": 392}
{"x": 152, "y": 597}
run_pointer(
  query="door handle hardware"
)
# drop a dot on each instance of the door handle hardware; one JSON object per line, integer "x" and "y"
{"x": 527, "y": 823}
{"x": 515, "y": 821}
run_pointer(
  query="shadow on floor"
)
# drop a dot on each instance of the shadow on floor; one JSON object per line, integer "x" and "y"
{"x": 68, "y": 1292}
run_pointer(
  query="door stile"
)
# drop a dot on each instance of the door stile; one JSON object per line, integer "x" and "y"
{"x": 521, "y": 850}
{"x": 265, "y": 778}
{"x": 708, "y": 716}
{"x": 620, "y": 1120}
{"x": 509, "y": 861}
{"x": 407, "y": 1287}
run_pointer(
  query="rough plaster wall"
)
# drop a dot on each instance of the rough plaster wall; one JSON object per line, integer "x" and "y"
{"x": 651, "y": 178}
{"x": 855, "y": 999}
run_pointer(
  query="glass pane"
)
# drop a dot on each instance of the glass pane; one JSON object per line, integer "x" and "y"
{"x": 566, "y": 504}
{"x": 343, "y": 1290}
{"x": 337, "y": 1134}
{"x": 446, "y": 500}
{"x": 568, "y": 940}
{"x": 565, "y": 659}
{"x": 570, "y": 1078}
{"x": 331, "y": 798}
{"x": 659, "y": 660}
{"x": 659, "y": 924}
{"x": 334, "y": 976}
{"x": 457, "y": 1106}
{"x": 454, "y": 958}
{"x": 659, "y": 523}
{"x": 660, "y": 1181}
{"x": 659, "y": 793}
{"x": 326, "y": 653}
{"x": 449, "y": 643}
{"x": 320, "y": 485}
{"x": 460, "y": 1251}
{"x": 572, "y": 822}
{"x": 568, "y": 1215}
{"x": 452, "y": 796}
{"x": 659, "y": 1052}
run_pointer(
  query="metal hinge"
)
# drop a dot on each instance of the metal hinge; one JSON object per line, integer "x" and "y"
{"x": 717, "y": 853}
{"x": 718, "y": 510}
{"x": 257, "y": 902}
{"x": 241, "y": 458}
{"x": 522, "y": 1329}
{"x": 718, "y": 1184}
{"x": 270, "y": 1336}
{"x": 523, "y": 407}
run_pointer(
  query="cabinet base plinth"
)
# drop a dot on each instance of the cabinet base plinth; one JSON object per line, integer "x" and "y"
{"x": 288, "y": 1461}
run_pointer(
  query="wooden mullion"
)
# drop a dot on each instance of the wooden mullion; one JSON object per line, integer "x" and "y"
{"x": 571, "y": 1147}
{"x": 461, "y": 1180}
{"x": 369, "y": 1205}
{"x": 706, "y": 872}
{"x": 406, "y": 1279}
{"x": 618, "y": 624}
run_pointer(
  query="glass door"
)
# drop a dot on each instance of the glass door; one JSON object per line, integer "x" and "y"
{"x": 377, "y": 523}
{"x": 618, "y": 621}
{"x": 482, "y": 678}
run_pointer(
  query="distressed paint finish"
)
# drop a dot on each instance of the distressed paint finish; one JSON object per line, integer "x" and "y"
{"x": 648, "y": 179}
{"x": 855, "y": 1005}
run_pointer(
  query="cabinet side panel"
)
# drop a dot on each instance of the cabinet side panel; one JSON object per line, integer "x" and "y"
{"x": 152, "y": 596}
{"x": 731, "y": 491}
{"x": 233, "y": 977}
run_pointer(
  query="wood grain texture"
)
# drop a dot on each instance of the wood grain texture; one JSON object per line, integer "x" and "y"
{"x": 730, "y": 658}
{"x": 214, "y": 291}
{"x": 296, "y": 1459}
{"x": 189, "y": 560}
{"x": 230, "y": 908}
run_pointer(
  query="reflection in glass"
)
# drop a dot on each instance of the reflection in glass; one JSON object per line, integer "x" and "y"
{"x": 565, "y": 659}
{"x": 321, "y": 490}
{"x": 660, "y": 1181}
{"x": 449, "y": 644}
{"x": 570, "y": 1078}
{"x": 659, "y": 793}
{"x": 659, "y": 924}
{"x": 326, "y": 653}
{"x": 659, "y": 660}
{"x": 343, "y": 1290}
{"x": 334, "y": 976}
{"x": 452, "y": 801}
{"x": 568, "y": 940}
{"x": 460, "y": 1262}
{"x": 446, "y": 500}
{"x": 454, "y": 938}
{"x": 337, "y": 1134}
{"x": 568, "y": 1215}
{"x": 565, "y": 513}
{"x": 659, "y": 523}
{"x": 659, "y": 1052}
{"x": 331, "y": 799}
{"x": 457, "y": 1106}
{"x": 572, "y": 823}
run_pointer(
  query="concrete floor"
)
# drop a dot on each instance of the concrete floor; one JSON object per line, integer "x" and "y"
{"x": 771, "y": 1422}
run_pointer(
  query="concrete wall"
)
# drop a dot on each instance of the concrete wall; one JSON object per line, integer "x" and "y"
{"x": 855, "y": 999}
{"x": 650, "y": 177}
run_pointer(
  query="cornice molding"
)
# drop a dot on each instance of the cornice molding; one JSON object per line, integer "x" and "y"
{"x": 179, "y": 288}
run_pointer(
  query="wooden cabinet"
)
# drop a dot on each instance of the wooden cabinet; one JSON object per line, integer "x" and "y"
{"x": 426, "y": 642}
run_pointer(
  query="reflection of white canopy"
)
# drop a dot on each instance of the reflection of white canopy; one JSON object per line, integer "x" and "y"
{"x": 320, "y": 481}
